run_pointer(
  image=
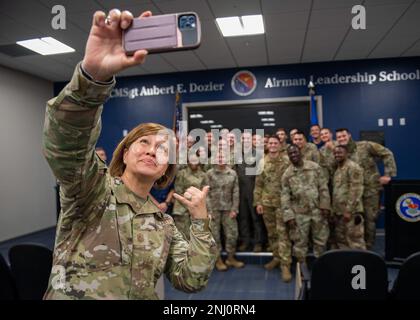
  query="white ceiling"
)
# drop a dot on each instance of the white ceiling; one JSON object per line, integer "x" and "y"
{"x": 297, "y": 31}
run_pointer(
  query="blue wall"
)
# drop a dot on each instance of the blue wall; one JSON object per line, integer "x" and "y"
{"x": 357, "y": 105}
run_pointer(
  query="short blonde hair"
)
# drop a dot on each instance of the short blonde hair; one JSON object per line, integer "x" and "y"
{"x": 117, "y": 166}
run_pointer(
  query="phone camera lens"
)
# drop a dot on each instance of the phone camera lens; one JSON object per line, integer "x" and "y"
{"x": 187, "y": 22}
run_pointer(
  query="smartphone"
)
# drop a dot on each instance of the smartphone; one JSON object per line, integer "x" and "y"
{"x": 163, "y": 33}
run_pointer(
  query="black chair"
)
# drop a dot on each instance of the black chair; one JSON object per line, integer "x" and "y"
{"x": 407, "y": 283}
{"x": 346, "y": 275}
{"x": 7, "y": 285}
{"x": 31, "y": 267}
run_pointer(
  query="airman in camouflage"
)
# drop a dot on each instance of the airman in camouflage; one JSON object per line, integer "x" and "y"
{"x": 315, "y": 136}
{"x": 327, "y": 159}
{"x": 282, "y": 135}
{"x": 347, "y": 202}
{"x": 267, "y": 200}
{"x": 223, "y": 207}
{"x": 112, "y": 243}
{"x": 308, "y": 150}
{"x": 192, "y": 175}
{"x": 328, "y": 164}
{"x": 305, "y": 201}
{"x": 365, "y": 154}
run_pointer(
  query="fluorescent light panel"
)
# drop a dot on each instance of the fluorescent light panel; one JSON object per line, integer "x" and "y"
{"x": 241, "y": 26}
{"x": 45, "y": 46}
{"x": 269, "y": 124}
{"x": 216, "y": 126}
{"x": 206, "y": 121}
{"x": 268, "y": 120}
{"x": 196, "y": 116}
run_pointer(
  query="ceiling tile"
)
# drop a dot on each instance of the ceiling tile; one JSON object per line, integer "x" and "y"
{"x": 198, "y": 6}
{"x": 284, "y": 45}
{"x": 213, "y": 51}
{"x": 322, "y": 43}
{"x": 282, "y": 22}
{"x": 183, "y": 61}
{"x": 413, "y": 51}
{"x": 330, "y": 18}
{"x": 249, "y": 51}
{"x": 223, "y": 8}
{"x": 157, "y": 64}
{"x": 72, "y": 6}
{"x": 276, "y": 6}
{"x": 359, "y": 43}
{"x": 334, "y": 4}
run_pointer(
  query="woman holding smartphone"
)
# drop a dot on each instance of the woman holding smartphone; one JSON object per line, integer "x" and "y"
{"x": 112, "y": 241}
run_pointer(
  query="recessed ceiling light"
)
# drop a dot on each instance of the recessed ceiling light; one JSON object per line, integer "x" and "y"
{"x": 269, "y": 124}
{"x": 46, "y": 46}
{"x": 241, "y": 26}
{"x": 206, "y": 121}
{"x": 216, "y": 126}
{"x": 196, "y": 115}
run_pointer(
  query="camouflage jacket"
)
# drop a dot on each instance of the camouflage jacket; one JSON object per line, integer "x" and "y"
{"x": 365, "y": 154}
{"x": 186, "y": 178}
{"x": 348, "y": 188}
{"x": 110, "y": 243}
{"x": 283, "y": 149}
{"x": 327, "y": 160}
{"x": 268, "y": 183}
{"x": 303, "y": 190}
{"x": 310, "y": 152}
{"x": 224, "y": 190}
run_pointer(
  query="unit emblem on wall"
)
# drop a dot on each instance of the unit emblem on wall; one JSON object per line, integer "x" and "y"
{"x": 244, "y": 83}
{"x": 408, "y": 207}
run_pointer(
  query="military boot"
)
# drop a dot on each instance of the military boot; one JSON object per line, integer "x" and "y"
{"x": 272, "y": 264}
{"x": 243, "y": 247}
{"x": 286, "y": 275}
{"x": 220, "y": 265}
{"x": 257, "y": 248}
{"x": 232, "y": 262}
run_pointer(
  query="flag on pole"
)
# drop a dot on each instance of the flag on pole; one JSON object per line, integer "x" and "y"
{"x": 180, "y": 129}
{"x": 313, "y": 109}
{"x": 177, "y": 113}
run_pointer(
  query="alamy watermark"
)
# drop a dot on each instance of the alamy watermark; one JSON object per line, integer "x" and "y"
{"x": 58, "y": 22}
{"x": 358, "y": 22}
{"x": 358, "y": 282}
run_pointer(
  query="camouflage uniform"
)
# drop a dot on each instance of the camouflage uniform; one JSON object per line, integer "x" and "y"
{"x": 267, "y": 193}
{"x": 186, "y": 178}
{"x": 328, "y": 164}
{"x": 310, "y": 152}
{"x": 110, "y": 243}
{"x": 223, "y": 198}
{"x": 327, "y": 159}
{"x": 304, "y": 193}
{"x": 248, "y": 219}
{"x": 347, "y": 198}
{"x": 283, "y": 150}
{"x": 365, "y": 154}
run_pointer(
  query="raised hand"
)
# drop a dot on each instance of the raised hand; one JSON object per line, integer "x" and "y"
{"x": 195, "y": 200}
{"x": 104, "y": 54}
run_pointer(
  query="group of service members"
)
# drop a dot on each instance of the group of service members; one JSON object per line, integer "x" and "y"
{"x": 320, "y": 194}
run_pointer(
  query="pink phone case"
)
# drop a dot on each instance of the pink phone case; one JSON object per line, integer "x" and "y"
{"x": 155, "y": 34}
